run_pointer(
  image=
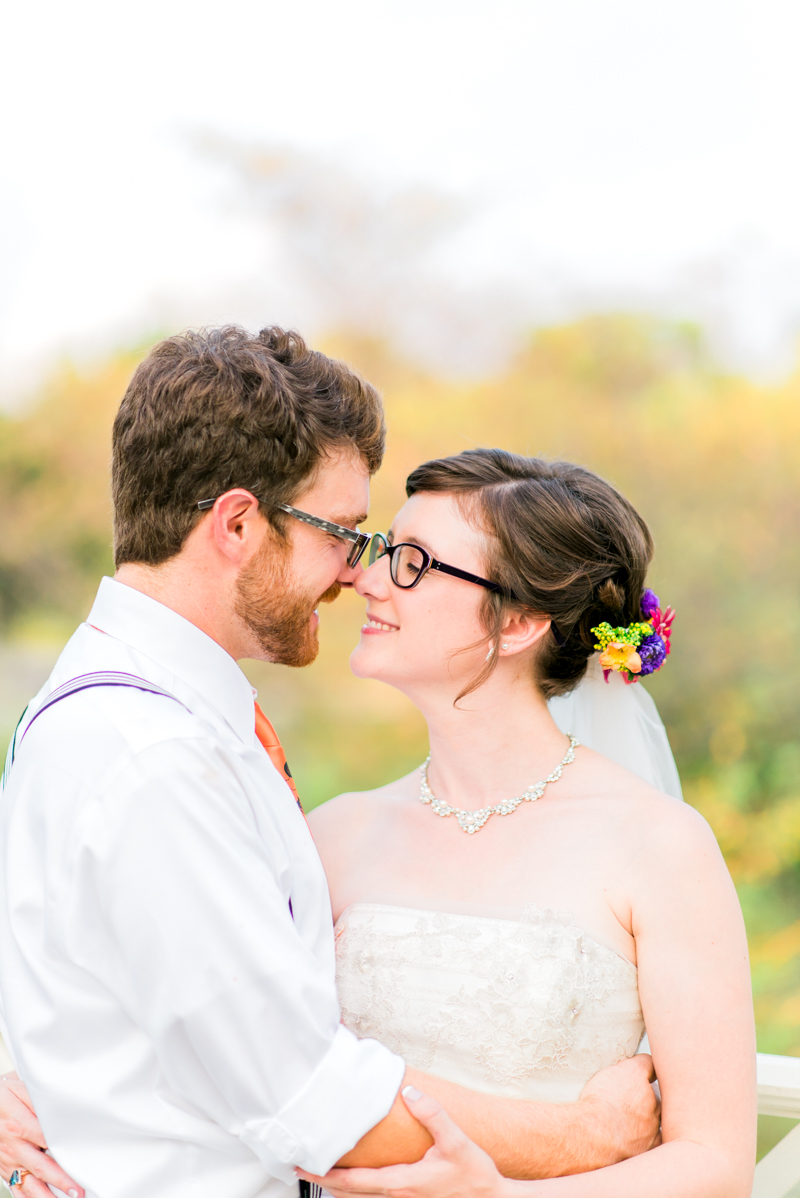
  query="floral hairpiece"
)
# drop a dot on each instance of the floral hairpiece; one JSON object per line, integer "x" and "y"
{"x": 639, "y": 649}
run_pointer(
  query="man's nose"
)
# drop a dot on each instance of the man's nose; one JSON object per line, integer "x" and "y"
{"x": 348, "y": 574}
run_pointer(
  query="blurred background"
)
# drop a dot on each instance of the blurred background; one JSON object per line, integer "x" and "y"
{"x": 566, "y": 228}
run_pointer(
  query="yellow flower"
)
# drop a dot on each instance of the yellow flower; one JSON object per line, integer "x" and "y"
{"x": 619, "y": 656}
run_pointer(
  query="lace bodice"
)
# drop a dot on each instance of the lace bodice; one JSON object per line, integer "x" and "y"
{"x": 529, "y": 1007}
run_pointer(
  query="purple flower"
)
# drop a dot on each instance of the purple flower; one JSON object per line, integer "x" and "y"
{"x": 650, "y": 603}
{"x": 653, "y": 652}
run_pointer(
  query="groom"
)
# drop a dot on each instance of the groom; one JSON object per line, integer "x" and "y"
{"x": 166, "y": 952}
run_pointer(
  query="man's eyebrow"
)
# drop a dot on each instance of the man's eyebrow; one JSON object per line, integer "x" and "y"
{"x": 349, "y": 521}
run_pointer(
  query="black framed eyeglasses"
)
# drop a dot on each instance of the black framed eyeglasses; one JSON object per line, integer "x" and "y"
{"x": 358, "y": 540}
{"x": 409, "y": 563}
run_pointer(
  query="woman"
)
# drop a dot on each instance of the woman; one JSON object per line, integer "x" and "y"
{"x": 522, "y": 951}
{"x": 519, "y": 947}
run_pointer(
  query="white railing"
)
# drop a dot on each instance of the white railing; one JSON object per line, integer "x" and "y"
{"x": 778, "y": 1174}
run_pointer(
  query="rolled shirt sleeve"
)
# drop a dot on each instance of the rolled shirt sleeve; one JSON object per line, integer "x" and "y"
{"x": 178, "y": 899}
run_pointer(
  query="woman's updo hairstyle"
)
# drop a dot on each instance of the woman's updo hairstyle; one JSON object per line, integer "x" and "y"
{"x": 562, "y": 540}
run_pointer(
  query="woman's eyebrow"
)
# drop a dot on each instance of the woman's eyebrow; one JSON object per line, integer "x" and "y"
{"x": 412, "y": 540}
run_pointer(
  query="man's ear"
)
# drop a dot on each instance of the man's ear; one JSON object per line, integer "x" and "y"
{"x": 522, "y": 631}
{"x": 236, "y": 525}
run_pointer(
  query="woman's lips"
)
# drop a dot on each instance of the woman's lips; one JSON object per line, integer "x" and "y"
{"x": 374, "y": 626}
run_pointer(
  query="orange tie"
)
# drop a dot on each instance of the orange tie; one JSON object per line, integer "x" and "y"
{"x": 269, "y": 739}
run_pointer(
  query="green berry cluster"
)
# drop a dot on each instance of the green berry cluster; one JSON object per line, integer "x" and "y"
{"x": 634, "y": 634}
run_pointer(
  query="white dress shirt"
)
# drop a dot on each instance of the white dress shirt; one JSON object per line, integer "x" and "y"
{"x": 175, "y": 1020}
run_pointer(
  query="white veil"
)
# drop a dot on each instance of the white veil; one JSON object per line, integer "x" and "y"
{"x": 621, "y": 722}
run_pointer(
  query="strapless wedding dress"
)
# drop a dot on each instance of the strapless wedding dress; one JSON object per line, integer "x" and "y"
{"x": 527, "y": 1006}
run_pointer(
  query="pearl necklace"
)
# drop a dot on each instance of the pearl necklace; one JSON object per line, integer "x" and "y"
{"x": 473, "y": 821}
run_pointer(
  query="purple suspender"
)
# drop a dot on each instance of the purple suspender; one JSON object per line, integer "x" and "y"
{"x": 81, "y": 683}
{"x": 106, "y": 678}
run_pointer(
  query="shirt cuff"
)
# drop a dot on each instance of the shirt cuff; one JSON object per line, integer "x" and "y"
{"x": 351, "y": 1090}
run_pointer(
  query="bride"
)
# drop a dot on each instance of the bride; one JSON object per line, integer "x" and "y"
{"x": 512, "y": 916}
{"x": 518, "y": 947}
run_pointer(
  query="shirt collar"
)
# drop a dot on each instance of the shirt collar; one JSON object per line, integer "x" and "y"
{"x": 176, "y": 644}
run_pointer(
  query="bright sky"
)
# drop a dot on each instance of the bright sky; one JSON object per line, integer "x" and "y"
{"x": 617, "y": 152}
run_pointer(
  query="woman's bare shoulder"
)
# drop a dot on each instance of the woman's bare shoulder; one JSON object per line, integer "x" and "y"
{"x": 662, "y": 841}
{"x": 356, "y": 809}
{"x": 652, "y": 846}
{"x": 640, "y": 805}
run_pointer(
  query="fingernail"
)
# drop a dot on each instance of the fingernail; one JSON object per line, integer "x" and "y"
{"x": 72, "y": 1193}
{"x": 412, "y": 1093}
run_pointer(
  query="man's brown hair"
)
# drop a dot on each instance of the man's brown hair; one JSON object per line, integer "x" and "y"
{"x": 214, "y": 409}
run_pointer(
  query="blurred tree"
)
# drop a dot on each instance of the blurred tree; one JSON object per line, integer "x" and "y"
{"x": 350, "y": 254}
{"x": 55, "y": 496}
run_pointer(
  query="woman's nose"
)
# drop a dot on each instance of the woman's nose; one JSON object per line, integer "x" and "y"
{"x": 373, "y": 580}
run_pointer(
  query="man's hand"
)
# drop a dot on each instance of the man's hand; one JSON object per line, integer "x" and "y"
{"x": 22, "y": 1145}
{"x": 627, "y": 1112}
{"x": 453, "y": 1168}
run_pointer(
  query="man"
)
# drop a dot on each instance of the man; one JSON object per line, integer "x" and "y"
{"x": 165, "y": 931}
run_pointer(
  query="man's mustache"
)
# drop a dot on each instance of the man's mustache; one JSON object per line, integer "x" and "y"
{"x": 332, "y": 593}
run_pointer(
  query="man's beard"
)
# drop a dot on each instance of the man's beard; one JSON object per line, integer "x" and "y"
{"x": 278, "y": 617}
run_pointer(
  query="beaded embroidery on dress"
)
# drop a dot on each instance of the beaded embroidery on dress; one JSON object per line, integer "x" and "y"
{"x": 530, "y": 1007}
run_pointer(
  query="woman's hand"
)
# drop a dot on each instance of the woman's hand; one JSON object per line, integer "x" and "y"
{"x": 22, "y": 1145}
{"x": 453, "y": 1168}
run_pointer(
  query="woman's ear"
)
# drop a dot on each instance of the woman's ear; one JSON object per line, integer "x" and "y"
{"x": 521, "y": 632}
